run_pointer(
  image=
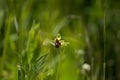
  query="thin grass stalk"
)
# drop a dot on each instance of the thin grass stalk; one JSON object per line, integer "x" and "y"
{"x": 6, "y": 41}
{"x": 104, "y": 37}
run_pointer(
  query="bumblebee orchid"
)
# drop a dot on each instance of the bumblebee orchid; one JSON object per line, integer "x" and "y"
{"x": 58, "y": 42}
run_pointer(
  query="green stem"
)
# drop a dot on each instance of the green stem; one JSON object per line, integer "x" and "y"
{"x": 60, "y": 52}
{"x": 104, "y": 37}
{"x": 6, "y": 41}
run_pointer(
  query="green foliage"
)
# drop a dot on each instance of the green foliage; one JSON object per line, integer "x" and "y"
{"x": 33, "y": 39}
{"x": 31, "y": 49}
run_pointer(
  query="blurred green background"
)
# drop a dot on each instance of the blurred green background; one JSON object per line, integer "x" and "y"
{"x": 28, "y": 27}
{"x": 112, "y": 55}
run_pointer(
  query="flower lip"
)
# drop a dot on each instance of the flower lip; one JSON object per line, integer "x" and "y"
{"x": 57, "y": 43}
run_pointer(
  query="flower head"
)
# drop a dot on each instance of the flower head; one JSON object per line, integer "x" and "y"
{"x": 86, "y": 68}
{"x": 58, "y": 41}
